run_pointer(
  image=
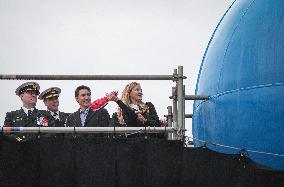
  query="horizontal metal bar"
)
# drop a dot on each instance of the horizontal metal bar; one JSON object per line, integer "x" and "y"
{"x": 188, "y": 115}
{"x": 87, "y": 77}
{"x": 196, "y": 97}
{"x": 8, "y": 130}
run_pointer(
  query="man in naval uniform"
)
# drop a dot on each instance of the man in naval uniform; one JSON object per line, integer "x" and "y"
{"x": 28, "y": 115}
{"x": 50, "y": 98}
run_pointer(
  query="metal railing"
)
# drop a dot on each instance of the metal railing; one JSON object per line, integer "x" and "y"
{"x": 87, "y": 77}
{"x": 8, "y": 130}
{"x": 176, "y": 76}
{"x": 176, "y": 113}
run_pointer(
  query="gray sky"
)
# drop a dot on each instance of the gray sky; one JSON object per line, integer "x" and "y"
{"x": 104, "y": 37}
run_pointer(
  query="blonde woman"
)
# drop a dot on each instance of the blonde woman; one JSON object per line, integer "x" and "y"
{"x": 132, "y": 110}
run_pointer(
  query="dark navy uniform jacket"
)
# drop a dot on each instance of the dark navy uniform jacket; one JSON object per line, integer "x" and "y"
{"x": 53, "y": 122}
{"x": 19, "y": 118}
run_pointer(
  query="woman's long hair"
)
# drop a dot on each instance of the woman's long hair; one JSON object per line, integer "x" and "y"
{"x": 125, "y": 98}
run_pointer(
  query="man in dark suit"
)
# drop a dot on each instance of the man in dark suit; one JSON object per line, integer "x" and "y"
{"x": 85, "y": 116}
{"x": 50, "y": 98}
{"x": 28, "y": 115}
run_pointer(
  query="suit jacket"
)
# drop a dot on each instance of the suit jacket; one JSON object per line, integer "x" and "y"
{"x": 98, "y": 118}
{"x": 19, "y": 118}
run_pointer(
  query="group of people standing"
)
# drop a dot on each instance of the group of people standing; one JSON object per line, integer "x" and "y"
{"x": 132, "y": 111}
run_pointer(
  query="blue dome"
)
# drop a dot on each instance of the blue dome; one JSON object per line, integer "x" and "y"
{"x": 243, "y": 73}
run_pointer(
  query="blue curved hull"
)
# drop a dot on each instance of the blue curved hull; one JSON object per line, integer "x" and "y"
{"x": 243, "y": 73}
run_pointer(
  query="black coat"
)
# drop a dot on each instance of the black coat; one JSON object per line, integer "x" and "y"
{"x": 19, "y": 118}
{"x": 53, "y": 122}
{"x": 61, "y": 122}
{"x": 98, "y": 118}
{"x": 131, "y": 120}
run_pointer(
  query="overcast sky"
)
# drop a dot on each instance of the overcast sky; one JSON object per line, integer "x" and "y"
{"x": 104, "y": 37}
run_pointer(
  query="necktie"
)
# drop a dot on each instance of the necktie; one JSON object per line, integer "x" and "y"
{"x": 29, "y": 112}
{"x": 55, "y": 115}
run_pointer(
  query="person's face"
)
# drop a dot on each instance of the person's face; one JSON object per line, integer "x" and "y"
{"x": 84, "y": 98}
{"x": 52, "y": 104}
{"x": 136, "y": 94}
{"x": 29, "y": 98}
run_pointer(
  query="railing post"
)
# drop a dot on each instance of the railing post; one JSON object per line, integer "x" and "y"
{"x": 175, "y": 104}
{"x": 170, "y": 121}
{"x": 180, "y": 98}
{"x": 183, "y": 102}
{"x": 174, "y": 97}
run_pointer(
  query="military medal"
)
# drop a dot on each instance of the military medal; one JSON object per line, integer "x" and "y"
{"x": 42, "y": 121}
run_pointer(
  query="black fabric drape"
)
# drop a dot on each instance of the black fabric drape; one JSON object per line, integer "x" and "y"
{"x": 86, "y": 161}
{"x": 19, "y": 163}
{"x": 56, "y": 158}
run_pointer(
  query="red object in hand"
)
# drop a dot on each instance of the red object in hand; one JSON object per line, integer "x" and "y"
{"x": 100, "y": 103}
